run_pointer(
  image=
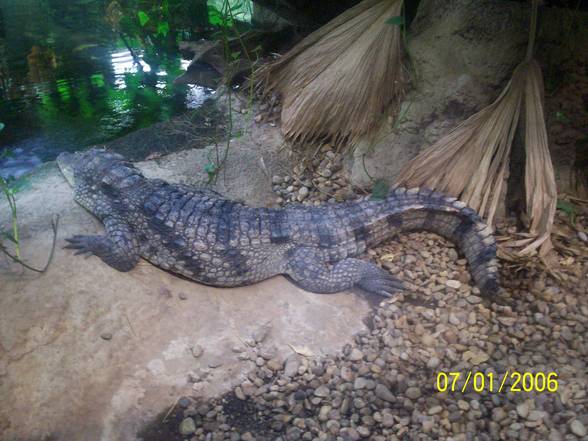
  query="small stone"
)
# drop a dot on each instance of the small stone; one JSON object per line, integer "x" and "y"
{"x": 184, "y": 402}
{"x": 363, "y": 431}
{"x": 196, "y": 351}
{"x": 360, "y": 383}
{"x": 498, "y": 414}
{"x": 303, "y": 193}
{"x": 474, "y": 300}
{"x": 239, "y": 393}
{"x": 277, "y": 179}
{"x": 292, "y": 365}
{"x": 355, "y": 355}
{"x": 106, "y": 336}
{"x": 274, "y": 364}
{"x": 384, "y": 393}
{"x": 413, "y": 393}
{"x": 433, "y": 362}
{"x": 578, "y": 428}
{"x": 523, "y": 409}
{"x": 347, "y": 374}
{"x": 584, "y": 238}
{"x": 322, "y": 391}
{"x": 455, "y": 284}
{"x": 536, "y": 415}
{"x": 187, "y": 426}
{"x": 435, "y": 410}
{"x": 183, "y": 296}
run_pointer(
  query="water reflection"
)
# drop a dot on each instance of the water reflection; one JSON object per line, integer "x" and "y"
{"x": 68, "y": 81}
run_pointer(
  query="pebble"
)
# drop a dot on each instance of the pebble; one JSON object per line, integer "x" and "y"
{"x": 578, "y": 428}
{"x": 523, "y": 409}
{"x": 455, "y": 284}
{"x": 196, "y": 351}
{"x": 583, "y": 236}
{"x": 413, "y": 393}
{"x": 322, "y": 391}
{"x": 384, "y": 393}
{"x": 381, "y": 387}
{"x": 355, "y": 355}
{"x": 187, "y": 426}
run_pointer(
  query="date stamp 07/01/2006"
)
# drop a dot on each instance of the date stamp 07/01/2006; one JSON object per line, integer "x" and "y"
{"x": 510, "y": 381}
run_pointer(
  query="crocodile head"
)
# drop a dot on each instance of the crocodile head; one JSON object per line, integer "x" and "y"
{"x": 97, "y": 176}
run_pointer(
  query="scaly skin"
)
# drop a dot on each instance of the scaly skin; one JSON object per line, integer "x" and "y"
{"x": 218, "y": 242}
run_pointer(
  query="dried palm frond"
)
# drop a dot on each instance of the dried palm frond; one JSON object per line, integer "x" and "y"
{"x": 471, "y": 162}
{"x": 337, "y": 82}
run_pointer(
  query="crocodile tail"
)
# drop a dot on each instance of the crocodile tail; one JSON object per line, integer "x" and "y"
{"x": 424, "y": 209}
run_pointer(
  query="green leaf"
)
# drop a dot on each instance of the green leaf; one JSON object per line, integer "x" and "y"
{"x": 163, "y": 28}
{"x": 397, "y": 20}
{"x": 380, "y": 190}
{"x": 235, "y": 55}
{"x": 2, "y": 125}
{"x": 210, "y": 168}
{"x": 143, "y": 18}
{"x": 8, "y": 236}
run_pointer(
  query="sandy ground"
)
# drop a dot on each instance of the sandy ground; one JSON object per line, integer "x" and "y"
{"x": 88, "y": 353}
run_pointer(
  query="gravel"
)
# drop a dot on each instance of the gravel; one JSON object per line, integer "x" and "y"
{"x": 382, "y": 385}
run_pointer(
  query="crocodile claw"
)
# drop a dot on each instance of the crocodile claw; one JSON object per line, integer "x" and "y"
{"x": 84, "y": 245}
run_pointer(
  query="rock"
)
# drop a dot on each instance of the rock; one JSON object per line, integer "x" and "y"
{"x": 413, "y": 393}
{"x": 274, "y": 364}
{"x": 322, "y": 391}
{"x": 523, "y": 409}
{"x": 292, "y": 364}
{"x": 433, "y": 362}
{"x": 184, "y": 402}
{"x": 360, "y": 383}
{"x": 363, "y": 431}
{"x": 303, "y": 193}
{"x": 347, "y": 374}
{"x": 106, "y": 336}
{"x": 384, "y": 393}
{"x": 355, "y": 355}
{"x": 239, "y": 393}
{"x": 277, "y": 179}
{"x": 435, "y": 410}
{"x": 498, "y": 414}
{"x": 578, "y": 428}
{"x": 583, "y": 236}
{"x": 187, "y": 426}
{"x": 455, "y": 284}
{"x": 196, "y": 351}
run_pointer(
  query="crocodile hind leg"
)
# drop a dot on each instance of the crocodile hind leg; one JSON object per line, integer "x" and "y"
{"x": 308, "y": 269}
{"x": 118, "y": 248}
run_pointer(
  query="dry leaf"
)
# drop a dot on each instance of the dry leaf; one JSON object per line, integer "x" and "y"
{"x": 337, "y": 82}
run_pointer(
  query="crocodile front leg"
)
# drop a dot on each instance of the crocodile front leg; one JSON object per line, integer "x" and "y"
{"x": 118, "y": 248}
{"x": 308, "y": 269}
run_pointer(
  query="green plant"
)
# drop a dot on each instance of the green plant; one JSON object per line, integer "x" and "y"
{"x": 12, "y": 235}
{"x": 226, "y": 19}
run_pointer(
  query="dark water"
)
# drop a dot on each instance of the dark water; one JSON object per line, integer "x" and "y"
{"x": 68, "y": 80}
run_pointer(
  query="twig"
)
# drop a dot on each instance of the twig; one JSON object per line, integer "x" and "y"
{"x": 54, "y": 224}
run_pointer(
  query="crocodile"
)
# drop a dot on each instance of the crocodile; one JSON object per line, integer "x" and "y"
{"x": 205, "y": 237}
